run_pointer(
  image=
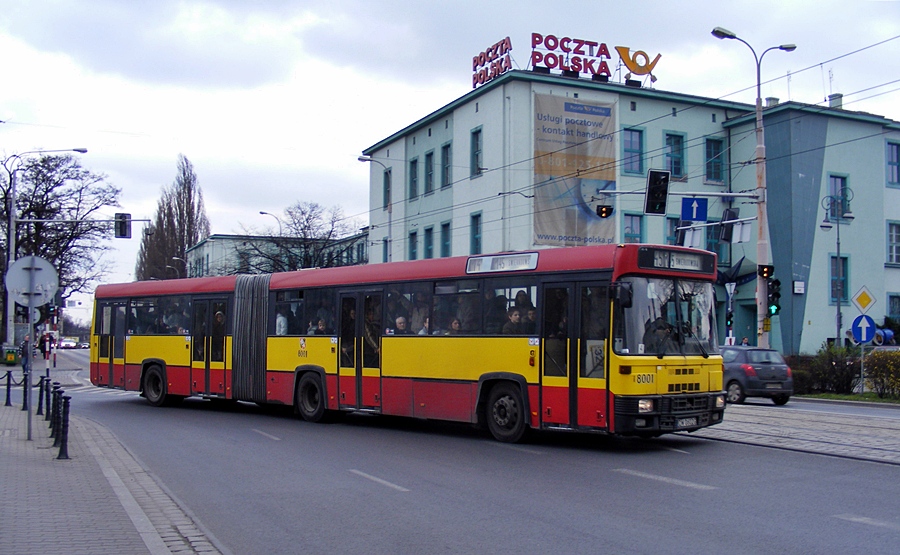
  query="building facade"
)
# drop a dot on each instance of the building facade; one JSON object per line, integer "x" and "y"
{"x": 526, "y": 161}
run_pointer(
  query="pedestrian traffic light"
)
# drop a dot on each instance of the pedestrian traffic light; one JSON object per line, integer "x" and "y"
{"x": 765, "y": 271}
{"x": 657, "y": 192}
{"x": 729, "y": 319}
{"x": 604, "y": 210}
{"x": 122, "y": 224}
{"x": 773, "y": 286}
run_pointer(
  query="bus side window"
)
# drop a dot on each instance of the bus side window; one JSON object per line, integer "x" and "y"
{"x": 594, "y": 331}
{"x": 556, "y": 332}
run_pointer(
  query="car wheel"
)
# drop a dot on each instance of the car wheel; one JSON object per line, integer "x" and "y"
{"x": 156, "y": 391}
{"x": 310, "y": 398}
{"x": 506, "y": 413}
{"x": 735, "y": 393}
{"x": 780, "y": 399}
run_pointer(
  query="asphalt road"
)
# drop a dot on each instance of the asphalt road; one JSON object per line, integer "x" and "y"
{"x": 262, "y": 481}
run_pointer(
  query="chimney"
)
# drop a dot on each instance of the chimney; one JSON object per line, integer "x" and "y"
{"x": 836, "y": 100}
{"x": 771, "y": 101}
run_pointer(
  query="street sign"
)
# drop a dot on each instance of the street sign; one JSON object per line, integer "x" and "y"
{"x": 863, "y": 299}
{"x": 863, "y": 329}
{"x": 694, "y": 209}
{"x": 32, "y": 281}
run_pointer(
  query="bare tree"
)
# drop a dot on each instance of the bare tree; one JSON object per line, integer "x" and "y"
{"x": 311, "y": 236}
{"x": 58, "y": 188}
{"x": 179, "y": 223}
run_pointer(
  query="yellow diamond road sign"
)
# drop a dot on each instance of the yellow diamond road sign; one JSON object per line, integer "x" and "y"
{"x": 863, "y": 299}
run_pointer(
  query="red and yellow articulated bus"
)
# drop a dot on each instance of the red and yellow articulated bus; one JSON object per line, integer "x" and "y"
{"x": 618, "y": 339}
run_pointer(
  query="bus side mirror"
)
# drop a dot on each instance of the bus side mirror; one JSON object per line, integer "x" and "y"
{"x": 624, "y": 294}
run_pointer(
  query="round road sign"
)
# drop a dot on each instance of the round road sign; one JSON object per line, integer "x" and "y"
{"x": 32, "y": 280}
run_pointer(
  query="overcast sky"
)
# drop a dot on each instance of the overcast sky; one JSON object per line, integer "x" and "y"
{"x": 272, "y": 101}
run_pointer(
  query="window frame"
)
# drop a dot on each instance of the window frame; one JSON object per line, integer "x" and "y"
{"x": 476, "y": 230}
{"x": 628, "y": 154}
{"x": 446, "y": 165}
{"x": 715, "y": 163}
{"x": 446, "y": 239}
{"x": 892, "y": 164}
{"x": 429, "y": 172}
{"x": 627, "y": 237}
{"x": 413, "y": 244}
{"x": 476, "y": 152}
{"x": 413, "y": 178}
{"x": 670, "y": 157}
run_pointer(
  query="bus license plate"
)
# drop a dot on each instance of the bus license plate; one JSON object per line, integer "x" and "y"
{"x": 686, "y": 422}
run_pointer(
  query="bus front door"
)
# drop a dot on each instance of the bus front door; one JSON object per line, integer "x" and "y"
{"x": 110, "y": 363}
{"x": 359, "y": 351}
{"x": 208, "y": 347}
{"x": 573, "y": 382}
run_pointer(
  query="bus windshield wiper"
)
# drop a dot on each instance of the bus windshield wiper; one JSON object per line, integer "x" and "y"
{"x": 690, "y": 333}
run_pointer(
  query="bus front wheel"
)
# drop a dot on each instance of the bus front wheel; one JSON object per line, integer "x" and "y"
{"x": 506, "y": 413}
{"x": 155, "y": 389}
{"x": 310, "y": 398}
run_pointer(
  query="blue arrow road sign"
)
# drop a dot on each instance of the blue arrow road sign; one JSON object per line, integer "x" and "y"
{"x": 694, "y": 209}
{"x": 863, "y": 329}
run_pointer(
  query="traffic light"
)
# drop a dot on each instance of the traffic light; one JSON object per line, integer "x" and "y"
{"x": 727, "y": 230}
{"x": 729, "y": 319}
{"x": 122, "y": 224}
{"x": 604, "y": 210}
{"x": 765, "y": 271}
{"x": 51, "y": 311}
{"x": 773, "y": 286}
{"x": 657, "y": 192}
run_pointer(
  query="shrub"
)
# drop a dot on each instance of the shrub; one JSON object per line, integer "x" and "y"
{"x": 883, "y": 373}
{"x": 834, "y": 369}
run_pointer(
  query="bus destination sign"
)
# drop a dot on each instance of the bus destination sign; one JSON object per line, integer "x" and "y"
{"x": 663, "y": 259}
{"x": 502, "y": 263}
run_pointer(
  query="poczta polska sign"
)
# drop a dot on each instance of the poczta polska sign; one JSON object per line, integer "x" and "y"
{"x": 562, "y": 53}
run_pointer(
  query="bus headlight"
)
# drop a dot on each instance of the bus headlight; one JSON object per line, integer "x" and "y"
{"x": 645, "y": 405}
{"x": 720, "y": 401}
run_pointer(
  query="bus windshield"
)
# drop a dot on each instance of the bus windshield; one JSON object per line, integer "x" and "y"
{"x": 666, "y": 317}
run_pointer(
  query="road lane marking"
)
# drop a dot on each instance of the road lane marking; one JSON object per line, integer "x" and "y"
{"x": 676, "y": 450}
{"x": 262, "y": 433}
{"x": 870, "y": 521}
{"x": 377, "y": 480}
{"x": 673, "y": 481}
{"x": 517, "y": 448}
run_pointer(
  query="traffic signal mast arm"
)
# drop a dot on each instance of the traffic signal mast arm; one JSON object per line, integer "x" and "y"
{"x": 119, "y": 220}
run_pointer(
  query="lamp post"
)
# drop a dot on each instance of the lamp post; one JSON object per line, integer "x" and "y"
{"x": 762, "y": 245}
{"x": 177, "y": 271}
{"x": 837, "y": 207}
{"x": 280, "y": 234}
{"x": 10, "y": 165}
{"x": 184, "y": 264}
{"x": 388, "y": 193}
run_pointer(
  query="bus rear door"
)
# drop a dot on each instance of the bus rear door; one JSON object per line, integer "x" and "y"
{"x": 110, "y": 363}
{"x": 208, "y": 346}
{"x": 575, "y": 326}
{"x": 359, "y": 352}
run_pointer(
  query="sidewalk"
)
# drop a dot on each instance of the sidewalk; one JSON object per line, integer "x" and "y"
{"x": 99, "y": 501}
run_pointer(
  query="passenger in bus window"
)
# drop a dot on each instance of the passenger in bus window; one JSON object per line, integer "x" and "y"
{"x": 523, "y": 302}
{"x": 455, "y": 327}
{"x": 468, "y": 313}
{"x": 321, "y": 329}
{"x": 495, "y": 312}
{"x": 372, "y": 345}
{"x": 281, "y": 321}
{"x": 426, "y": 328}
{"x": 529, "y": 323}
{"x": 400, "y": 326}
{"x": 514, "y": 325}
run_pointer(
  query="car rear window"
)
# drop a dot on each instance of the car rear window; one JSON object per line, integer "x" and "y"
{"x": 729, "y": 355}
{"x": 773, "y": 357}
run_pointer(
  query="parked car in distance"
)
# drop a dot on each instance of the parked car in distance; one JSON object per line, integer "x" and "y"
{"x": 756, "y": 372}
{"x": 67, "y": 343}
{"x": 83, "y": 345}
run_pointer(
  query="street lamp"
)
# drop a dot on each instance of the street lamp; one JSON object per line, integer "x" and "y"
{"x": 184, "y": 264}
{"x": 837, "y": 207}
{"x": 280, "y": 234}
{"x": 388, "y": 194}
{"x": 10, "y": 166}
{"x": 277, "y": 219}
{"x": 762, "y": 245}
{"x": 177, "y": 271}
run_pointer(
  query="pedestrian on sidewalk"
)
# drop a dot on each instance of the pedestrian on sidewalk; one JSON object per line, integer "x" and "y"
{"x": 25, "y": 354}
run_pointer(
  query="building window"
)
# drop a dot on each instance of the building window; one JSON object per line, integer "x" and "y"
{"x": 893, "y": 241}
{"x": 838, "y": 189}
{"x": 429, "y": 243}
{"x": 715, "y": 163}
{"x": 894, "y": 306}
{"x": 633, "y": 232}
{"x": 413, "y": 179}
{"x": 475, "y": 234}
{"x": 384, "y": 250}
{"x": 675, "y": 154}
{"x": 413, "y": 245}
{"x": 429, "y": 173}
{"x": 893, "y": 164}
{"x": 445, "y": 239}
{"x": 633, "y": 141}
{"x": 446, "y": 174}
{"x": 476, "y": 159}
{"x": 839, "y": 285}
{"x": 386, "y": 189}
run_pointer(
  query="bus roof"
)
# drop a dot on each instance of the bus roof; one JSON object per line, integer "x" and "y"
{"x": 545, "y": 260}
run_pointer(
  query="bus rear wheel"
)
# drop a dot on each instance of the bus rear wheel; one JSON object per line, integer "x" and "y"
{"x": 310, "y": 398}
{"x": 506, "y": 413}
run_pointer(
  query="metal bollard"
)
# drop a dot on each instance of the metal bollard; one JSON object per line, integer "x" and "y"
{"x": 47, "y": 396}
{"x": 54, "y": 405}
{"x": 26, "y": 390}
{"x": 40, "y": 409}
{"x": 64, "y": 443}
{"x": 8, "y": 385}
{"x": 57, "y": 431}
